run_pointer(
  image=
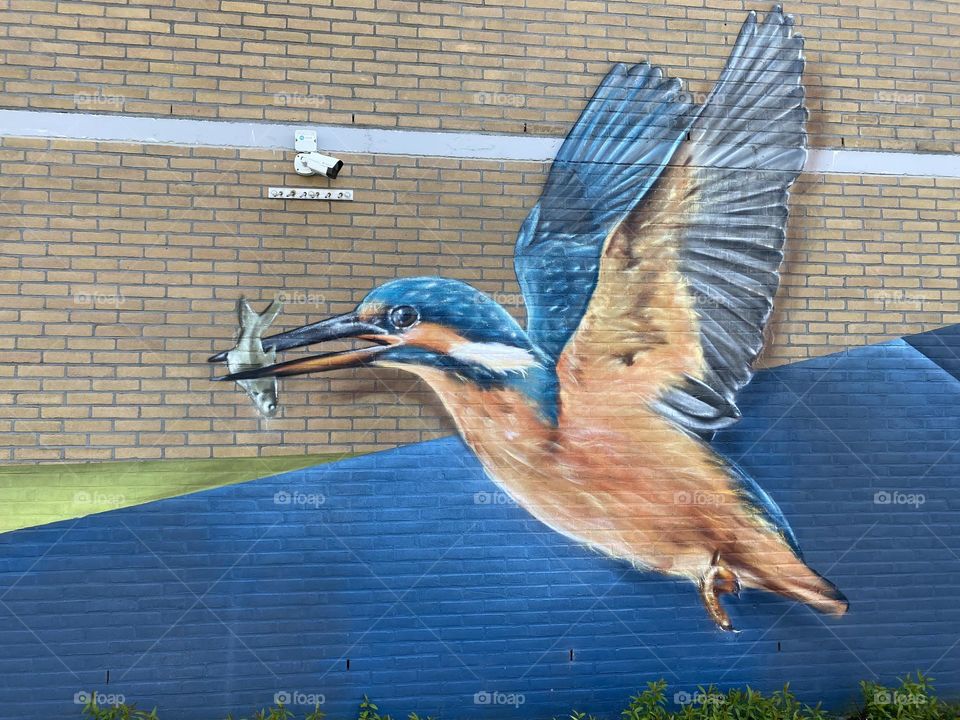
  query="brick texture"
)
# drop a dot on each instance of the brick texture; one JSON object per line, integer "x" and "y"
{"x": 122, "y": 264}
{"x": 868, "y": 258}
{"x": 880, "y": 73}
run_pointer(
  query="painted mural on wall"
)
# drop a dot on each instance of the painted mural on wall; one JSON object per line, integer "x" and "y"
{"x": 648, "y": 268}
{"x": 249, "y": 354}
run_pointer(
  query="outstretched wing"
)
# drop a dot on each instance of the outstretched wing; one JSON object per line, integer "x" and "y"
{"x": 617, "y": 149}
{"x": 746, "y": 149}
{"x": 687, "y": 278}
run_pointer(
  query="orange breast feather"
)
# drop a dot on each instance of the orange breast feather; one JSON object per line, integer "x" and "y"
{"x": 614, "y": 477}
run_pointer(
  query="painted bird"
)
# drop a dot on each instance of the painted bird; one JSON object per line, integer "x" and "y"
{"x": 648, "y": 269}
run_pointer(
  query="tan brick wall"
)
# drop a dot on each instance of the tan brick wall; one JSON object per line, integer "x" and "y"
{"x": 868, "y": 258}
{"x": 121, "y": 265}
{"x": 880, "y": 74}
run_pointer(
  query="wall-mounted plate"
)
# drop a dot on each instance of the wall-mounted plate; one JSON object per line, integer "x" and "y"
{"x": 292, "y": 193}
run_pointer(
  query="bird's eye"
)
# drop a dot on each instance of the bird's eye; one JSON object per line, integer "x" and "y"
{"x": 403, "y": 316}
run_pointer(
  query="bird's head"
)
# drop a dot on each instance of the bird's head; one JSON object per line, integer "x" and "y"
{"x": 417, "y": 324}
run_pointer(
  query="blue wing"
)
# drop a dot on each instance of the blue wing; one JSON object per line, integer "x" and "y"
{"x": 748, "y": 146}
{"x": 725, "y": 169}
{"x": 621, "y": 143}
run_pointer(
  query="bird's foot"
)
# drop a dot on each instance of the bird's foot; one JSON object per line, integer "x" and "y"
{"x": 718, "y": 580}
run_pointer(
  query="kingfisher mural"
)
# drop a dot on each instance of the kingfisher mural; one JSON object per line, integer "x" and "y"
{"x": 648, "y": 268}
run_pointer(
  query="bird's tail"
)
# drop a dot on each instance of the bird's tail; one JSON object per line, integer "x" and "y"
{"x": 797, "y": 581}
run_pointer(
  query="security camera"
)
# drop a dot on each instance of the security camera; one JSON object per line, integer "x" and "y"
{"x": 310, "y": 162}
{"x": 314, "y": 163}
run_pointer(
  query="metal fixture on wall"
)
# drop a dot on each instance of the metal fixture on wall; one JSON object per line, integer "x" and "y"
{"x": 310, "y": 162}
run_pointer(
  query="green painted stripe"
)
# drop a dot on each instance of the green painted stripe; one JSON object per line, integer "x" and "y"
{"x": 32, "y": 495}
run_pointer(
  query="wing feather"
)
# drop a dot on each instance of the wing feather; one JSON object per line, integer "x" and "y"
{"x": 686, "y": 279}
{"x": 622, "y": 141}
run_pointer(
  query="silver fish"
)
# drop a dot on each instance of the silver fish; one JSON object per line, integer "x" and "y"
{"x": 249, "y": 355}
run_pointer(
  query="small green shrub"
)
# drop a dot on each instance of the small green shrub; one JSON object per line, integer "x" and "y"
{"x": 115, "y": 712}
{"x": 912, "y": 699}
{"x": 709, "y": 703}
{"x": 369, "y": 711}
{"x": 651, "y": 704}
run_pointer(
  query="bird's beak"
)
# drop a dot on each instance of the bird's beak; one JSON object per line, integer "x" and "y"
{"x": 341, "y": 327}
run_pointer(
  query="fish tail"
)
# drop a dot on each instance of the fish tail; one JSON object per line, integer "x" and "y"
{"x": 252, "y": 323}
{"x": 270, "y": 314}
{"x": 248, "y": 316}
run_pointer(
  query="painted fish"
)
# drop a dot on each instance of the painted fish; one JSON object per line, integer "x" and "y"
{"x": 250, "y": 355}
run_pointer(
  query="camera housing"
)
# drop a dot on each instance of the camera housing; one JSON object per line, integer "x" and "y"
{"x": 315, "y": 163}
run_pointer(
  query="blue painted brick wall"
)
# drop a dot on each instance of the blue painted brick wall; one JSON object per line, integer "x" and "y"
{"x": 411, "y": 565}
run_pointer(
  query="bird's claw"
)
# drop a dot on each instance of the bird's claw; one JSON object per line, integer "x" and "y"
{"x": 719, "y": 580}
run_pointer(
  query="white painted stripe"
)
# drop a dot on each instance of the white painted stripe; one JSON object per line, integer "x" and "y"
{"x": 332, "y": 138}
{"x": 868, "y": 162}
{"x": 336, "y": 139}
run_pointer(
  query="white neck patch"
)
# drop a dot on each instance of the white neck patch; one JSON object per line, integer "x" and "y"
{"x": 496, "y": 357}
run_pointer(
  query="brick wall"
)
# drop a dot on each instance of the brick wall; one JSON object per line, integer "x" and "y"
{"x": 122, "y": 265}
{"x": 878, "y": 73}
{"x": 868, "y": 258}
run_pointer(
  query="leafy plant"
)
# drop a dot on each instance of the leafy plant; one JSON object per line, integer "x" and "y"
{"x": 712, "y": 704}
{"x": 651, "y": 704}
{"x": 277, "y": 712}
{"x": 121, "y": 711}
{"x": 369, "y": 711}
{"x": 912, "y": 699}
{"x": 317, "y": 714}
